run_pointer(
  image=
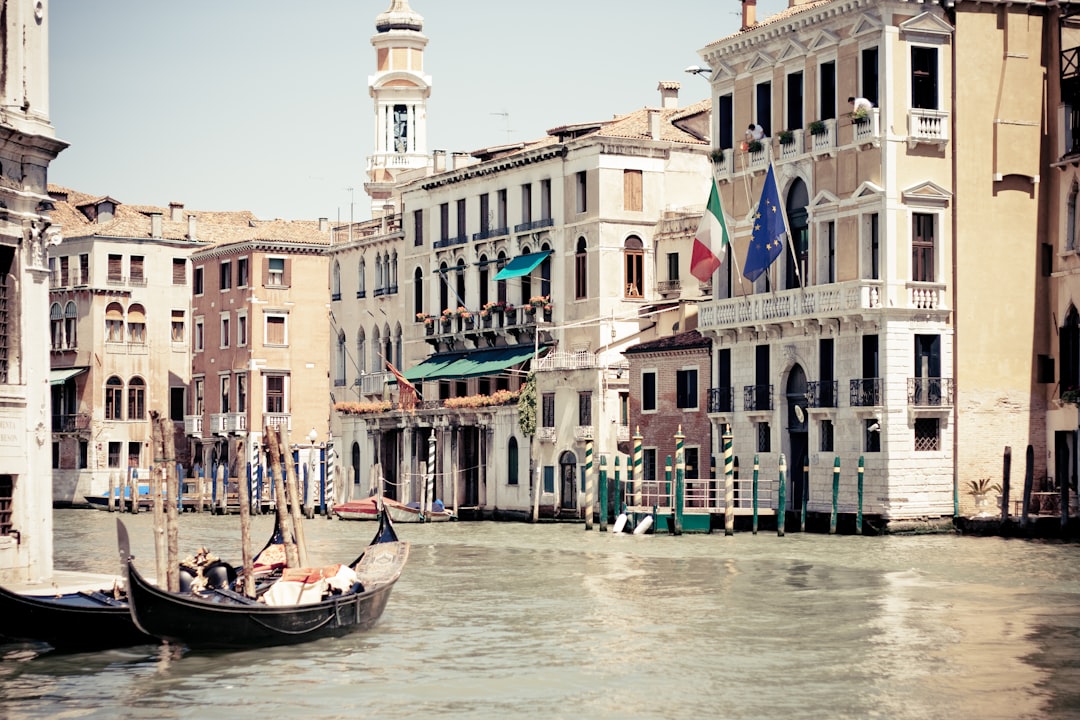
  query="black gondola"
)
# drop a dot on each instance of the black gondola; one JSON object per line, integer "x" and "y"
{"x": 227, "y": 620}
{"x": 76, "y": 621}
{"x": 86, "y": 620}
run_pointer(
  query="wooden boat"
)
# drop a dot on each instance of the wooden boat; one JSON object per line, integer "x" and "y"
{"x": 97, "y": 619}
{"x": 74, "y": 621}
{"x": 221, "y": 618}
{"x": 368, "y": 509}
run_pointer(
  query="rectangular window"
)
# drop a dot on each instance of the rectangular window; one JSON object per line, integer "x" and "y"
{"x": 197, "y": 282}
{"x": 275, "y": 330}
{"x": 199, "y": 385}
{"x": 691, "y": 463}
{"x": 926, "y": 435}
{"x": 794, "y": 100}
{"x": 726, "y": 119}
{"x": 198, "y": 341}
{"x": 485, "y": 219}
{"x": 686, "y": 384}
{"x": 827, "y": 91}
{"x": 502, "y": 210}
{"x": 55, "y": 455}
{"x": 116, "y": 268}
{"x": 632, "y": 190}
{"x": 585, "y": 409}
{"x": 179, "y": 271}
{"x": 275, "y": 271}
{"x": 178, "y": 325}
{"x": 84, "y": 453}
{"x": 673, "y": 266}
{"x": 224, "y": 338}
{"x": 870, "y": 74}
{"x": 764, "y": 437}
{"x": 137, "y": 273}
{"x": 763, "y": 96}
{"x": 241, "y": 328}
{"x": 648, "y": 391}
{"x": 924, "y": 78}
{"x": 922, "y": 247}
{"x": 114, "y": 454}
{"x": 461, "y": 218}
{"x": 624, "y": 408}
{"x": 134, "y": 454}
{"x": 444, "y": 221}
{"x": 826, "y": 372}
{"x": 545, "y": 199}
{"x": 275, "y": 394}
{"x": 243, "y": 272}
{"x": 241, "y": 393}
{"x": 581, "y": 203}
{"x": 225, "y": 394}
{"x": 418, "y": 227}
{"x": 65, "y": 271}
{"x": 177, "y": 403}
{"x": 7, "y": 504}
{"x": 875, "y": 247}
{"x": 225, "y": 276}
{"x": 826, "y": 436}
{"x": 828, "y": 252}
{"x": 648, "y": 465}
{"x": 873, "y": 435}
{"x": 548, "y": 410}
{"x": 526, "y": 203}
{"x": 84, "y": 270}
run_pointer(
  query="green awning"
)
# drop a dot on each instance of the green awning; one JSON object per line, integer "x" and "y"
{"x": 521, "y": 265}
{"x": 59, "y": 377}
{"x": 475, "y": 363}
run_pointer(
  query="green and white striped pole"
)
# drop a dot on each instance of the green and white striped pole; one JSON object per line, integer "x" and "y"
{"x": 781, "y": 510}
{"x": 729, "y": 484}
{"x": 680, "y": 479}
{"x": 620, "y": 490}
{"x": 805, "y": 493}
{"x": 669, "y": 497}
{"x": 588, "y": 485}
{"x": 835, "y": 494}
{"x": 603, "y": 494}
{"x": 637, "y": 467}
{"x": 754, "y": 492}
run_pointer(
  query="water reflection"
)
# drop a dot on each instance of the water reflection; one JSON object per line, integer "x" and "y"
{"x": 549, "y": 621}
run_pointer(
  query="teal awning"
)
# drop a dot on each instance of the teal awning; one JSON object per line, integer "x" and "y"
{"x": 475, "y": 363}
{"x": 521, "y": 265}
{"x": 59, "y": 377}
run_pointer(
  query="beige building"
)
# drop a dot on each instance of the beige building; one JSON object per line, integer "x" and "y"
{"x": 119, "y": 331}
{"x": 881, "y": 333}
{"x": 26, "y": 235}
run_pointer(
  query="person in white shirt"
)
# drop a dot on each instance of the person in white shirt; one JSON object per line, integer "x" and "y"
{"x": 860, "y": 104}
{"x": 755, "y": 132}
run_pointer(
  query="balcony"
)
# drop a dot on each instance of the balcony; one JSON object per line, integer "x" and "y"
{"x": 865, "y": 392}
{"x": 583, "y": 432}
{"x": 278, "y": 421}
{"x": 622, "y": 433}
{"x": 228, "y": 423}
{"x": 793, "y": 148}
{"x": 491, "y": 233}
{"x": 868, "y": 130}
{"x": 927, "y": 126}
{"x": 545, "y": 434}
{"x": 757, "y": 397}
{"x": 721, "y": 400}
{"x": 70, "y": 423}
{"x": 821, "y": 394}
{"x": 823, "y": 137}
{"x": 193, "y": 426}
{"x": 534, "y": 225}
{"x": 834, "y": 300}
{"x": 562, "y": 360}
{"x": 930, "y": 392}
{"x": 373, "y": 383}
{"x": 669, "y": 287}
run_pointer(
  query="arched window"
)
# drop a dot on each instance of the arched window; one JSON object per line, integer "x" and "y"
{"x": 356, "y": 463}
{"x": 362, "y": 291}
{"x": 136, "y": 320}
{"x": 388, "y": 348}
{"x": 526, "y": 283}
{"x": 545, "y": 272}
{"x": 1070, "y": 219}
{"x": 484, "y": 276}
{"x": 799, "y": 232}
{"x": 361, "y": 352}
{"x": 512, "y": 462}
{"x": 500, "y": 285}
{"x": 376, "y": 366}
{"x": 56, "y": 325}
{"x": 581, "y": 270}
{"x": 114, "y": 323}
{"x": 1069, "y": 351}
{"x": 393, "y": 272}
{"x": 444, "y": 287}
{"x": 339, "y": 364}
{"x": 634, "y": 267}
{"x": 136, "y": 409}
{"x": 335, "y": 281}
{"x": 460, "y": 282}
{"x": 418, "y": 292}
{"x": 71, "y": 325}
{"x": 397, "y": 346}
{"x": 114, "y": 398}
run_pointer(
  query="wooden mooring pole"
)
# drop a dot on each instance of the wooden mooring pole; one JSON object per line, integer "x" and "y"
{"x": 1006, "y": 474}
{"x": 1029, "y": 481}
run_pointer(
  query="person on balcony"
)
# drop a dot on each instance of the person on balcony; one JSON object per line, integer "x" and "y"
{"x": 755, "y": 132}
{"x": 860, "y": 106}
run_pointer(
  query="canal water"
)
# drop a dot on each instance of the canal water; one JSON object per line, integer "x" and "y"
{"x": 507, "y": 620}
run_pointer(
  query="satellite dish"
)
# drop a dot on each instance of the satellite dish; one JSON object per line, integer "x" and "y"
{"x": 800, "y": 414}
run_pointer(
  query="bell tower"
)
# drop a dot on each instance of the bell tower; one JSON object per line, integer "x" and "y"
{"x": 400, "y": 89}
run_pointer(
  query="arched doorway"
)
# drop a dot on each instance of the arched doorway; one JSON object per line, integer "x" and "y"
{"x": 568, "y": 480}
{"x": 798, "y": 436}
{"x": 355, "y": 463}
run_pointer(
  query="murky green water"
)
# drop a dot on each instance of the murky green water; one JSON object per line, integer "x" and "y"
{"x": 501, "y": 620}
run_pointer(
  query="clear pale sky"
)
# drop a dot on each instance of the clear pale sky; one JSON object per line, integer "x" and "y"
{"x": 263, "y": 105}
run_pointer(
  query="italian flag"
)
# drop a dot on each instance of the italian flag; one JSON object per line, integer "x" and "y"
{"x": 711, "y": 239}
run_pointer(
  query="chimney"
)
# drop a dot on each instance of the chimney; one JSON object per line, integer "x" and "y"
{"x": 176, "y": 212}
{"x": 669, "y": 94}
{"x": 654, "y": 123}
{"x": 324, "y": 224}
{"x": 749, "y": 14}
{"x": 155, "y": 225}
{"x": 190, "y": 227}
{"x": 438, "y": 160}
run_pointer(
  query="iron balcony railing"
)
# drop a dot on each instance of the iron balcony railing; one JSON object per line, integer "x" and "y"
{"x": 865, "y": 392}
{"x": 758, "y": 397}
{"x": 930, "y": 391}
{"x": 721, "y": 400}
{"x": 821, "y": 394}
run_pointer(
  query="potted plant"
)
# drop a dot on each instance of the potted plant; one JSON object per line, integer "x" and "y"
{"x": 754, "y": 146}
{"x": 860, "y": 116}
{"x": 510, "y": 311}
{"x": 1071, "y": 395}
{"x": 786, "y": 137}
{"x": 817, "y": 127}
{"x": 979, "y": 489}
{"x": 716, "y": 156}
{"x": 447, "y": 316}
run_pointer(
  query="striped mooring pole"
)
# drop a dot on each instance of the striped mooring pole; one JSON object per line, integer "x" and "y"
{"x": 781, "y": 510}
{"x": 680, "y": 479}
{"x": 729, "y": 484}
{"x": 429, "y": 488}
{"x": 588, "y": 485}
{"x": 858, "y": 513}
{"x": 754, "y": 492}
{"x": 636, "y": 475}
{"x": 603, "y": 494}
{"x": 835, "y": 494}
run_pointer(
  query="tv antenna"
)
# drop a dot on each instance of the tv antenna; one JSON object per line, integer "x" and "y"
{"x": 506, "y": 117}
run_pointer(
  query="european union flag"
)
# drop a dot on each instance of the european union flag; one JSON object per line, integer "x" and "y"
{"x": 770, "y": 227}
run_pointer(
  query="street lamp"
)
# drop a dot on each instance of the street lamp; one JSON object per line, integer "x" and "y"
{"x": 698, "y": 70}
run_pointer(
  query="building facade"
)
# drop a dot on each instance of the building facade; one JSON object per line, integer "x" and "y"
{"x": 26, "y": 235}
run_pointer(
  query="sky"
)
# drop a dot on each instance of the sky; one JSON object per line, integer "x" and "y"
{"x": 263, "y": 105}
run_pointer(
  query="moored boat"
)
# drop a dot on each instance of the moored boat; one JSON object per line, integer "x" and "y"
{"x": 303, "y": 605}
{"x": 369, "y": 509}
{"x": 95, "y": 619}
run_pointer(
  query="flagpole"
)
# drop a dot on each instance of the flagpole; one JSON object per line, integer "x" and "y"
{"x": 731, "y": 245}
